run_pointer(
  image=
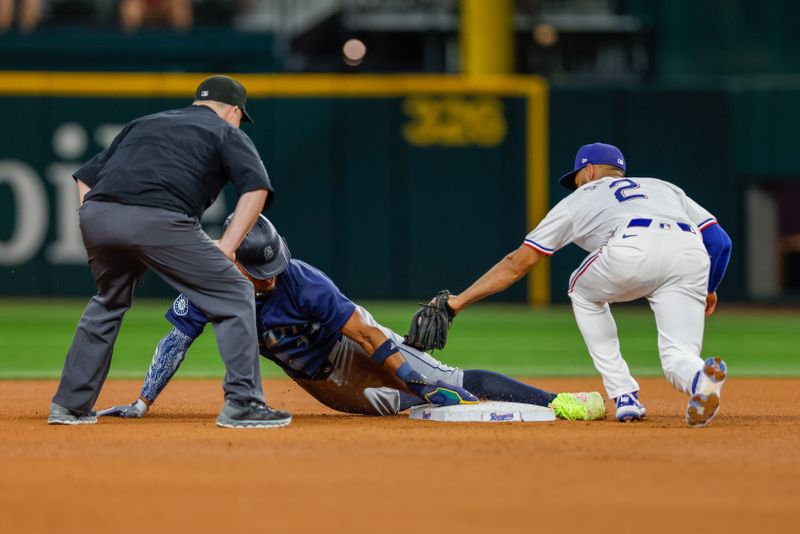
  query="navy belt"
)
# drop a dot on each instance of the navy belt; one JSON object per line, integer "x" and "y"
{"x": 645, "y": 223}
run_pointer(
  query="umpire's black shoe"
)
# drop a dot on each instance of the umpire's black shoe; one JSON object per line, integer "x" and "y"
{"x": 252, "y": 415}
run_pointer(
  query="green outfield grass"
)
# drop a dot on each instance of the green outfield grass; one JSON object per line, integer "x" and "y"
{"x": 515, "y": 339}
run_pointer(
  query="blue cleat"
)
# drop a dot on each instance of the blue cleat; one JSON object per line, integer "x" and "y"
{"x": 706, "y": 388}
{"x": 629, "y": 408}
{"x": 444, "y": 394}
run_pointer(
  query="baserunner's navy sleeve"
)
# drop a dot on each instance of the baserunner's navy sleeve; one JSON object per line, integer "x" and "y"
{"x": 319, "y": 297}
{"x": 718, "y": 245}
{"x": 186, "y": 317}
{"x": 189, "y": 322}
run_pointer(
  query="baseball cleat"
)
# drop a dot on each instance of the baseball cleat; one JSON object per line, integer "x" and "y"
{"x": 629, "y": 408}
{"x": 252, "y": 415}
{"x": 707, "y": 387}
{"x": 444, "y": 394}
{"x": 583, "y": 406}
{"x": 64, "y": 416}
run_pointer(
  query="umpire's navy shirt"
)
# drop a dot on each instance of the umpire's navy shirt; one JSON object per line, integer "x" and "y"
{"x": 177, "y": 160}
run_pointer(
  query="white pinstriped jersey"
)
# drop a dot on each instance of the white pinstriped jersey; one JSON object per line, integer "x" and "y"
{"x": 591, "y": 214}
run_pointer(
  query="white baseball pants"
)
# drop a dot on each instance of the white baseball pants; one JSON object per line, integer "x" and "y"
{"x": 666, "y": 265}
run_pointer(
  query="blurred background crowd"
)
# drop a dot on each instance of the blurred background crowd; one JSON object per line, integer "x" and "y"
{"x": 566, "y": 40}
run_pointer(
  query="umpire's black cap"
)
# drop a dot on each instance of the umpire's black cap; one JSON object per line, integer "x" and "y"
{"x": 224, "y": 89}
{"x": 263, "y": 253}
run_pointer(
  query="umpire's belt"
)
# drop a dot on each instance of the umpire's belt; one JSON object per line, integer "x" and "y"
{"x": 646, "y": 223}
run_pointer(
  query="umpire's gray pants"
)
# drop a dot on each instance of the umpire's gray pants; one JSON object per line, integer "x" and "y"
{"x": 122, "y": 242}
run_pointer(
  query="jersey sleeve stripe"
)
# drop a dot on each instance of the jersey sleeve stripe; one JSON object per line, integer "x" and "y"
{"x": 539, "y": 248}
{"x": 705, "y": 224}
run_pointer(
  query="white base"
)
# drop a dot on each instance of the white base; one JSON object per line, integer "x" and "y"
{"x": 483, "y": 412}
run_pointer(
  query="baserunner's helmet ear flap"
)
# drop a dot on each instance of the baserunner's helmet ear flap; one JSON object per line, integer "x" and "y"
{"x": 263, "y": 253}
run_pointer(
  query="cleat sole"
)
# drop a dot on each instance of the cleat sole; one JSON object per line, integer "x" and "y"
{"x": 702, "y": 409}
{"x": 271, "y": 424}
{"x": 715, "y": 369}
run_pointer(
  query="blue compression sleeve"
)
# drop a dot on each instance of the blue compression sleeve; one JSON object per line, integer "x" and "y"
{"x": 718, "y": 245}
{"x": 170, "y": 352}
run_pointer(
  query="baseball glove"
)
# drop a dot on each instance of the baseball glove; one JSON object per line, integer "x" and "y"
{"x": 430, "y": 324}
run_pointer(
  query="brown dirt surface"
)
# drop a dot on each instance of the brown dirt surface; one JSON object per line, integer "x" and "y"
{"x": 328, "y": 472}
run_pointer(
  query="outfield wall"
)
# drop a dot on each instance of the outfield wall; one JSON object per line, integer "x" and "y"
{"x": 393, "y": 186}
{"x": 396, "y": 186}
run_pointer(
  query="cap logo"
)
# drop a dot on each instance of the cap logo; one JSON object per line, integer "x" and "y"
{"x": 620, "y": 161}
{"x": 203, "y": 93}
{"x": 584, "y": 160}
{"x": 268, "y": 253}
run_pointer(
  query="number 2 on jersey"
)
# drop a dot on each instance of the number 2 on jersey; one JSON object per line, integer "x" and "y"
{"x": 621, "y": 192}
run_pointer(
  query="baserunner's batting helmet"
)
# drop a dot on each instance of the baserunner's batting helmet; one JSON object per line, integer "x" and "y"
{"x": 263, "y": 253}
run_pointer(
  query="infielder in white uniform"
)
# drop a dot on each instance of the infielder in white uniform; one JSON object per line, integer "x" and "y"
{"x": 646, "y": 238}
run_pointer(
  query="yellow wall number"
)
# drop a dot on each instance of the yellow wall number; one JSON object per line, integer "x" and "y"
{"x": 454, "y": 121}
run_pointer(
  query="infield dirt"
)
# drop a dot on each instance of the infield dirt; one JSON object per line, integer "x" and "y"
{"x": 328, "y": 472}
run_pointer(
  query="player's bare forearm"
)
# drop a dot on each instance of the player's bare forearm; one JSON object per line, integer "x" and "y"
{"x": 247, "y": 210}
{"x": 505, "y": 273}
{"x": 385, "y": 353}
{"x": 82, "y": 190}
{"x": 711, "y": 303}
{"x": 370, "y": 338}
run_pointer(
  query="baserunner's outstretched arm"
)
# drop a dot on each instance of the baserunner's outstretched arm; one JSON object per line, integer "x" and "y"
{"x": 169, "y": 355}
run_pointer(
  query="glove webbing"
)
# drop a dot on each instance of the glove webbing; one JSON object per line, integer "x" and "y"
{"x": 430, "y": 324}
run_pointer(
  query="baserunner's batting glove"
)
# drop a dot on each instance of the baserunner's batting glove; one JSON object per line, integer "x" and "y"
{"x": 444, "y": 394}
{"x": 134, "y": 410}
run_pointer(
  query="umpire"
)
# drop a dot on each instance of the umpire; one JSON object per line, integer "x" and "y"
{"x": 141, "y": 202}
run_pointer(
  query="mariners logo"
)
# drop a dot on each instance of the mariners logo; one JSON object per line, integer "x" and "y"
{"x": 181, "y": 306}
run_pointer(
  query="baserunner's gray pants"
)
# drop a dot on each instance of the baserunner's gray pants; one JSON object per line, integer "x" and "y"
{"x": 122, "y": 243}
{"x": 359, "y": 385}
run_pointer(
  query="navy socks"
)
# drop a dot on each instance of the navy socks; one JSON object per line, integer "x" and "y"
{"x": 494, "y": 386}
{"x": 489, "y": 385}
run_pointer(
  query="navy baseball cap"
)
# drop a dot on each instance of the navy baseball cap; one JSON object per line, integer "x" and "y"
{"x": 263, "y": 253}
{"x": 226, "y": 90}
{"x": 596, "y": 154}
